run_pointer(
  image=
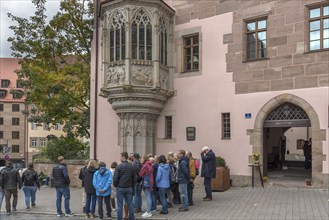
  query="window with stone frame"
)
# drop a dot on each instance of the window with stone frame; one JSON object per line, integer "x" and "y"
{"x": 1, "y": 107}
{"x": 15, "y": 107}
{"x": 191, "y": 52}
{"x": 3, "y": 93}
{"x": 141, "y": 36}
{"x": 163, "y": 44}
{"x": 256, "y": 39}
{"x": 15, "y": 121}
{"x": 319, "y": 27}
{"x": 5, "y": 83}
{"x": 34, "y": 126}
{"x": 43, "y": 142}
{"x": 226, "y": 125}
{"x": 117, "y": 38}
{"x": 1, "y": 134}
{"x": 168, "y": 127}
{"x": 15, "y": 148}
{"x": 1, "y": 120}
{"x": 15, "y": 134}
{"x": 34, "y": 142}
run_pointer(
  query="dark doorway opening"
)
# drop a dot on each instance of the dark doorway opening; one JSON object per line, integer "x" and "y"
{"x": 285, "y": 130}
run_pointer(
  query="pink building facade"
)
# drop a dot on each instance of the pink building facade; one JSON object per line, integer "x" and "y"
{"x": 238, "y": 76}
{"x": 12, "y": 120}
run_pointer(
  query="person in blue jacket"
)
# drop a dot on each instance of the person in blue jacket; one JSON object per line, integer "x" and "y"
{"x": 102, "y": 182}
{"x": 162, "y": 181}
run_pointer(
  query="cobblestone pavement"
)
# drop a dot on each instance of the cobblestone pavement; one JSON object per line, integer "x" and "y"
{"x": 235, "y": 203}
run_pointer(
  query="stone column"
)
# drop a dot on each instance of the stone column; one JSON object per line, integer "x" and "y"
{"x": 128, "y": 51}
{"x": 155, "y": 50}
{"x": 137, "y": 132}
{"x": 170, "y": 55}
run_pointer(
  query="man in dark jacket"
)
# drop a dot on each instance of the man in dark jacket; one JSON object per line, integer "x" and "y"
{"x": 82, "y": 177}
{"x": 10, "y": 180}
{"x": 124, "y": 180}
{"x": 208, "y": 170}
{"x": 183, "y": 177}
{"x": 61, "y": 182}
{"x": 138, "y": 193}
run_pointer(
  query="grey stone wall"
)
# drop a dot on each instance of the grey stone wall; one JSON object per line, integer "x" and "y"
{"x": 73, "y": 167}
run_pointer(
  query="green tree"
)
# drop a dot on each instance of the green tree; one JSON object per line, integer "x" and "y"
{"x": 69, "y": 147}
{"x": 55, "y": 64}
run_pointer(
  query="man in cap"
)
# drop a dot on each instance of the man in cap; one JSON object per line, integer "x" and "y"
{"x": 61, "y": 182}
{"x": 208, "y": 170}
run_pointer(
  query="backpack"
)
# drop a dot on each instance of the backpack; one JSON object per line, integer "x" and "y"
{"x": 29, "y": 178}
{"x": 172, "y": 174}
{"x": 196, "y": 167}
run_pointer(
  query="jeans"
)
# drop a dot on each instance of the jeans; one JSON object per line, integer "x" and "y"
{"x": 29, "y": 192}
{"x": 126, "y": 194}
{"x": 207, "y": 186}
{"x": 154, "y": 199}
{"x": 107, "y": 200}
{"x": 190, "y": 187}
{"x": 90, "y": 200}
{"x": 148, "y": 198}
{"x": 138, "y": 197}
{"x": 63, "y": 191}
{"x": 1, "y": 198}
{"x": 162, "y": 194}
{"x": 8, "y": 193}
{"x": 183, "y": 191}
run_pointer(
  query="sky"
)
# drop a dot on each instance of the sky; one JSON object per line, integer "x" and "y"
{"x": 20, "y": 8}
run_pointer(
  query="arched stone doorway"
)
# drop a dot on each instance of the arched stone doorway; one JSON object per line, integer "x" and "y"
{"x": 319, "y": 135}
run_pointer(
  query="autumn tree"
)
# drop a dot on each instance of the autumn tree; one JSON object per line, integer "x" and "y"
{"x": 55, "y": 64}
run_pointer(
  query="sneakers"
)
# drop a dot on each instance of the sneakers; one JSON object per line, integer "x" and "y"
{"x": 14, "y": 210}
{"x": 146, "y": 215}
{"x": 92, "y": 215}
{"x": 69, "y": 214}
{"x": 33, "y": 204}
{"x": 28, "y": 209}
{"x": 8, "y": 213}
{"x": 182, "y": 209}
{"x": 163, "y": 213}
{"x": 60, "y": 215}
{"x": 87, "y": 215}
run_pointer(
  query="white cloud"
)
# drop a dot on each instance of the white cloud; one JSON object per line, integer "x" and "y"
{"x": 20, "y": 8}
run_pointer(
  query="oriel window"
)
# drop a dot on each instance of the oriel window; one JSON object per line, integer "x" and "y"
{"x": 141, "y": 36}
{"x": 117, "y": 37}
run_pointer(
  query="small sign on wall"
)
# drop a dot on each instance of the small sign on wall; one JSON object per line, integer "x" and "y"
{"x": 247, "y": 115}
{"x": 190, "y": 133}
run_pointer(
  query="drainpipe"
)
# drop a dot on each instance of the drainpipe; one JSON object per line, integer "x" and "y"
{"x": 96, "y": 79}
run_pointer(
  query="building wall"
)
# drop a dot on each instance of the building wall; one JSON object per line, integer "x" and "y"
{"x": 225, "y": 83}
{"x": 7, "y": 72}
{"x": 39, "y": 134}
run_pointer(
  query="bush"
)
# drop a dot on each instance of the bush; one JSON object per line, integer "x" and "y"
{"x": 220, "y": 162}
{"x": 68, "y": 147}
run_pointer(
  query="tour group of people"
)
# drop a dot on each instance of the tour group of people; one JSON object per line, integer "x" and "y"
{"x": 164, "y": 180}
